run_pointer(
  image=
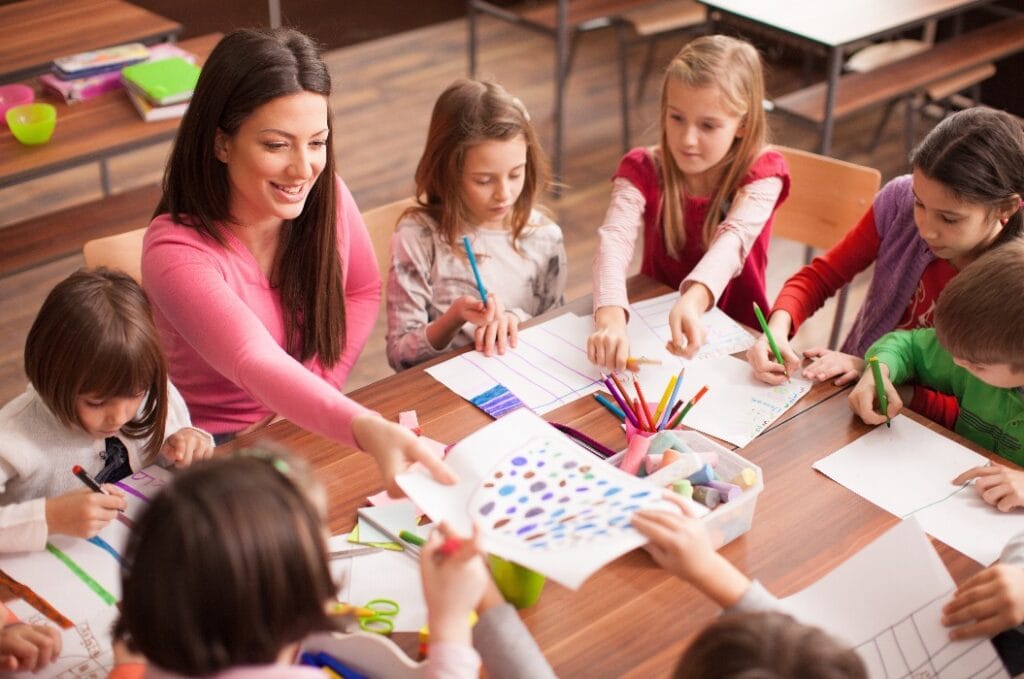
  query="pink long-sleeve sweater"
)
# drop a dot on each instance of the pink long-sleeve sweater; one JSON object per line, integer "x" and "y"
{"x": 222, "y": 327}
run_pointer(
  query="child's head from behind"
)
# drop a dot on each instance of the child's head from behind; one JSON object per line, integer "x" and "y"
{"x": 482, "y": 164}
{"x": 979, "y": 318}
{"x": 226, "y": 567}
{"x": 968, "y": 183}
{"x": 94, "y": 357}
{"x": 767, "y": 645}
{"x": 713, "y": 124}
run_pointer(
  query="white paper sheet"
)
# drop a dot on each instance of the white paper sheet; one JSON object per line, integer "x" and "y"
{"x": 886, "y": 602}
{"x": 907, "y": 470}
{"x": 549, "y": 367}
{"x": 86, "y": 651}
{"x": 384, "y": 575}
{"x": 539, "y": 499}
{"x": 737, "y": 406}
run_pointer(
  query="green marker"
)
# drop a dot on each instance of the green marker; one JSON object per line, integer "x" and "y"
{"x": 883, "y": 400}
{"x": 412, "y": 538}
{"x": 771, "y": 339}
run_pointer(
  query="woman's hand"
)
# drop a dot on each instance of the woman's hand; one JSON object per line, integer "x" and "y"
{"x": 828, "y": 364}
{"x": 455, "y": 579}
{"x": 83, "y": 513}
{"x": 862, "y": 398}
{"x": 998, "y": 485}
{"x": 186, "y": 446}
{"x": 986, "y": 603}
{"x": 395, "y": 449}
{"x": 608, "y": 346}
{"x": 28, "y": 648}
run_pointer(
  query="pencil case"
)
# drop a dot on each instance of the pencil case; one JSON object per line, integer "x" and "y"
{"x": 86, "y": 64}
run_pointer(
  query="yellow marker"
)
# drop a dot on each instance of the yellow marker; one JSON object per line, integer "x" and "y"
{"x": 339, "y": 609}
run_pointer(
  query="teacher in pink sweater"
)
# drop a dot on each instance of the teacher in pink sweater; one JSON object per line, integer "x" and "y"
{"x": 258, "y": 264}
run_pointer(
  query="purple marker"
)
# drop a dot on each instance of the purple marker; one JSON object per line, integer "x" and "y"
{"x": 618, "y": 399}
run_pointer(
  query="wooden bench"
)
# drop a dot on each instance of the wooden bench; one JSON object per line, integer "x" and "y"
{"x": 51, "y": 236}
{"x": 909, "y": 76}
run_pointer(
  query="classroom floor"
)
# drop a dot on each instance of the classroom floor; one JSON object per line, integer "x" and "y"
{"x": 384, "y": 91}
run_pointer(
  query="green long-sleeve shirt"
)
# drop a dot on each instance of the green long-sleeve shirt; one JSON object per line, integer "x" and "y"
{"x": 990, "y": 416}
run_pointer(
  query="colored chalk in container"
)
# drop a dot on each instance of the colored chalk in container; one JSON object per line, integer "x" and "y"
{"x": 635, "y": 453}
{"x": 652, "y": 463}
{"x": 710, "y": 457}
{"x": 669, "y": 456}
{"x": 683, "y": 487}
{"x": 746, "y": 478}
{"x": 702, "y": 475}
{"x": 707, "y": 496}
{"x": 728, "y": 491}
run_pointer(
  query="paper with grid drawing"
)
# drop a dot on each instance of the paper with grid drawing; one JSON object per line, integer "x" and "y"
{"x": 908, "y": 469}
{"x": 886, "y": 602}
{"x": 549, "y": 367}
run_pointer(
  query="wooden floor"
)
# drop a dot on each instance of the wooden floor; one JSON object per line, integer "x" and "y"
{"x": 384, "y": 91}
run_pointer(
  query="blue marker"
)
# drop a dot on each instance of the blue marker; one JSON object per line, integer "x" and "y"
{"x": 476, "y": 269}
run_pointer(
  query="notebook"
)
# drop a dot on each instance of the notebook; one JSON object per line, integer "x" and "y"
{"x": 164, "y": 82}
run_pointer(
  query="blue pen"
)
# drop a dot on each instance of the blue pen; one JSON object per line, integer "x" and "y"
{"x": 476, "y": 269}
{"x": 671, "y": 400}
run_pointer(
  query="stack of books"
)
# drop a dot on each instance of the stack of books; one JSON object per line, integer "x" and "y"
{"x": 161, "y": 89}
{"x": 82, "y": 76}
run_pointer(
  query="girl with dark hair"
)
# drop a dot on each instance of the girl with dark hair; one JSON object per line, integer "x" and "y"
{"x": 962, "y": 198}
{"x": 262, "y": 275}
{"x": 238, "y": 547}
{"x": 479, "y": 176}
{"x": 98, "y": 398}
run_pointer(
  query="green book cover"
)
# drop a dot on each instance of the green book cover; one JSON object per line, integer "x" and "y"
{"x": 168, "y": 81}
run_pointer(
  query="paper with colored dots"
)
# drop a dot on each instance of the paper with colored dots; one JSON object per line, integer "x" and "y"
{"x": 538, "y": 498}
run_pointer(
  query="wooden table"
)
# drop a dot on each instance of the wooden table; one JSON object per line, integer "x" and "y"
{"x": 631, "y": 618}
{"x": 837, "y": 25}
{"x": 35, "y": 32}
{"x": 91, "y": 131}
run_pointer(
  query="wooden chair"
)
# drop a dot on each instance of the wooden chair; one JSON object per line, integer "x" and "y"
{"x": 122, "y": 251}
{"x": 380, "y": 222}
{"x": 827, "y": 198}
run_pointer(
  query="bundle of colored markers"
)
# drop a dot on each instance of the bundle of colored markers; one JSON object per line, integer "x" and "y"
{"x": 669, "y": 413}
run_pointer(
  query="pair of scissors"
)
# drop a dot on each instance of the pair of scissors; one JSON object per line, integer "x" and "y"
{"x": 376, "y": 616}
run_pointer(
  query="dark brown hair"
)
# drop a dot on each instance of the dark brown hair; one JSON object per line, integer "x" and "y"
{"x": 978, "y": 155}
{"x": 94, "y": 335}
{"x": 467, "y": 113}
{"x": 734, "y": 67}
{"x": 977, "y": 315}
{"x": 767, "y": 645}
{"x": 225, "y": 567}
{"x": 247, "y": 69}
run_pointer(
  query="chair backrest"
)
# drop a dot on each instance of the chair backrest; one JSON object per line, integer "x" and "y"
{"x": 380, "y": 222}
{"x": 122, "y": 251}
{"x": 827, "y": 198}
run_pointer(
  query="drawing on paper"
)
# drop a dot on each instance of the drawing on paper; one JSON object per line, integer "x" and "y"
{"x": 497, "y": 401}
{"x": 552, "y": 500}
{"x": 907, "y": 650}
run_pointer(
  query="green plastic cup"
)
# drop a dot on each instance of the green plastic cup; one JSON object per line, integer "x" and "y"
{"x": 32, "y": 123}
{"x": 520, "y": 586}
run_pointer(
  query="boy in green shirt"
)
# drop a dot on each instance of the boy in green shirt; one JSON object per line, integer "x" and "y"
{"x": 975, "y": 352}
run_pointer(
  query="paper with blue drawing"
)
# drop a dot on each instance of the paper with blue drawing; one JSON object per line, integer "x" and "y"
{"x": 539, "y": 499}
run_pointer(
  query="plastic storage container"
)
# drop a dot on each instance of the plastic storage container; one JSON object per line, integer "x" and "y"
{"x": 729, "y": 520}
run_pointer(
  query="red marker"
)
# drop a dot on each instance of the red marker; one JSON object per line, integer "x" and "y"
{"x": 89, "y": 481}
{"x": 450, "y": 546}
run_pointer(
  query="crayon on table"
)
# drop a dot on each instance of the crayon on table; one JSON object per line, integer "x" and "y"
{"x": 476, "y": 269}
{"x": 771, "y": 338}
{"x": 883, "y": 400}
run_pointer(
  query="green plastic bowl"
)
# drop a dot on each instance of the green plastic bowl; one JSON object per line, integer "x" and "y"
{"x": 32, "y": 123}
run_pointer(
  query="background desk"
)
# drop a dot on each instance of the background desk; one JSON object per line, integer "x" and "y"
{"x": 631, "y": 618}
{"x": 35, "y": 32}
{"x": 90, "y": 131}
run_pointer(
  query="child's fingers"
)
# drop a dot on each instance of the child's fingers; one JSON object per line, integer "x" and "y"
{"x": 513, "y": 331}
{"x": 847, "y": 378}
{"x": 677, "y": 500}
{"x": 975, "y": 473}
{"x": 440, "y": 471}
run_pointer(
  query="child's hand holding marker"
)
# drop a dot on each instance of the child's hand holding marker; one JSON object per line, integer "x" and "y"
{"x": 455, "y": 579}
{"x": 997, "y": 484}
{"x": 83, "y": 513}
{"x": 608, "y": 345}
{"x": 771, "y": 356}
{"x": 868, "y": 392}
{"x": 499, "y": 333}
